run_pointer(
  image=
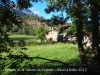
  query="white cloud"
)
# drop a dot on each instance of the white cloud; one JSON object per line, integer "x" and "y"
{"x": 33, "y": 9}
{"x": 38, "y": 13}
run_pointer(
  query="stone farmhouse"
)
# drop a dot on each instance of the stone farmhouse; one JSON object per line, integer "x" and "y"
{"x": 54, "y": 36}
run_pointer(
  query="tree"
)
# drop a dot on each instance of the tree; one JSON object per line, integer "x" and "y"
{"x": 79, "y": 24}
{"x": 40, "y": 32}
{"x": 8, "y": 18}
{"x": 74, "y": 9}
{"x": 80, "y": 12}
{"x": 94, "y": 7}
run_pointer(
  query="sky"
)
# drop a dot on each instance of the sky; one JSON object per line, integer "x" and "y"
{"x": 39, "y": 8}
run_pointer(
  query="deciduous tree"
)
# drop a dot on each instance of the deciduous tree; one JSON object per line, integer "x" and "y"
{"x": 94, "y": 7}
{"x": 80, "y": 11}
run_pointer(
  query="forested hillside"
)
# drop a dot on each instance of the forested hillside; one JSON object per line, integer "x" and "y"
{"x": 28, "y": 25}
{"x": 34, "y": 21}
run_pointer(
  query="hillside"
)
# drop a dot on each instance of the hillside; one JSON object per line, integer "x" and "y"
{"x": 31, "y": 21}
{"x": 30, "y": 18}
{"x": 34, "y": 21}
{"x": 26, "y": 12}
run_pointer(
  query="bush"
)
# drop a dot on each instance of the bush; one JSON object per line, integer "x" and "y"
{"x": 40, "y": 32}
{"x": 14, "y": 29}
{"x": 24, "y": 29}
{"x": 4, "y": 29}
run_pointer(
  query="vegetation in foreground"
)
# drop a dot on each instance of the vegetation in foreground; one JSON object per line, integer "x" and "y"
{"x": 47, "y": 56}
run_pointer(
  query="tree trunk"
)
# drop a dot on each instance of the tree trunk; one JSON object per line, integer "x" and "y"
{"x": 80, "y": 45}
{"x": 95, "y": 37}
{"x": 79, "y": 34}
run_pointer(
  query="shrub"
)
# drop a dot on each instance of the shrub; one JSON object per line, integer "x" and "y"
{"x": 40, "y": 32}
{"x": 14, "y": 29}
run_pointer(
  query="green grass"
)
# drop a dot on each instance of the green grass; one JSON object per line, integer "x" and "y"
{"x": 59, "y": 51}
{"x": 63, "y": 52}
{"x": 22, "y": 37}
{"x": 54, "y": 50}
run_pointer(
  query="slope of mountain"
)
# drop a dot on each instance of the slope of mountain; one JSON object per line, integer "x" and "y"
{"x": 26, "y": 12}
{"x": 34, "y": 21}
{"x": 30, "y": 18}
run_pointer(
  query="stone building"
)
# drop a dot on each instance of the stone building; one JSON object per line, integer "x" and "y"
{"x": 52, "y": 35}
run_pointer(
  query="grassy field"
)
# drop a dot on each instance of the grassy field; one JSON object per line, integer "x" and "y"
{"x": 60, "y": 51}
{"x": 48, "y": 56}
{"x": 27, "y": 38}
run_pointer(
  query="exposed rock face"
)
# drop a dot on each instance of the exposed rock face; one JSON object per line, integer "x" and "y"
{"x": 35, "y": 23}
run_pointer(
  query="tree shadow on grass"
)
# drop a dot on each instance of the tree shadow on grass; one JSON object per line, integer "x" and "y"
{"x": 15, "y": 39}
{"x": 61, "y": 68}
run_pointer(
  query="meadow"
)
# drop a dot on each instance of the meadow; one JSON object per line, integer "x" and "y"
{"x": 27, "y": 38}
{"x": 47, "y": 56}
